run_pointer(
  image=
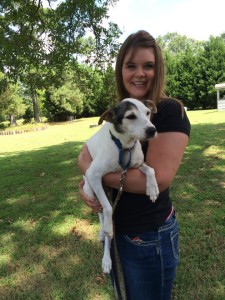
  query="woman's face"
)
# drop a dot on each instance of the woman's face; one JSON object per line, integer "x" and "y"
{"x": 138, "y": 73}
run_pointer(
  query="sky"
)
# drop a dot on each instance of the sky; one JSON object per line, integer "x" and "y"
{"x": 197, "y": 19}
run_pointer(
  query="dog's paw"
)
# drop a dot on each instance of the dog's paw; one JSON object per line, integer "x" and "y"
{"x": 154, "y": 196}
{"x": 106, "y": 265}
{"x": 153, "y": 192}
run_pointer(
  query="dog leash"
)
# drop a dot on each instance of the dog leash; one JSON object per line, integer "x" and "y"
{"x": 120, "y": 191}
{"x": 120, "y": 288}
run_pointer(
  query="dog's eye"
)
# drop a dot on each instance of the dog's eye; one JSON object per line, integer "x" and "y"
{"x": 131, "y": 117}
{"x": 148, "y": 113}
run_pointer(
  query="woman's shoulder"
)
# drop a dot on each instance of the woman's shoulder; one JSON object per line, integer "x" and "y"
{"x": 169, "y": 103}
{"x": 171, "y": 116}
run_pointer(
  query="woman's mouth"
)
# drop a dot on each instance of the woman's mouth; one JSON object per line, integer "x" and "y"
{"x": 139, "y": 83}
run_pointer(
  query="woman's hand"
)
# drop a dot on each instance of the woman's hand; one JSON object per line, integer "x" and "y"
{"x": 91, "y": 202}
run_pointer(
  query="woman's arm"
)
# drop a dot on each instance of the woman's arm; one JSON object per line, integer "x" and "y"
{"x": 84, "y": 161}
{"x": 164, "y": 155}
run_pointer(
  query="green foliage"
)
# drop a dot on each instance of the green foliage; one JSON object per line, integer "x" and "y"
{"x": 64, "y": 101}
{"x": 99, "y": 88}
{"x": 109, "y": 94}
{"x": 193, "y": 69}
{"x": 36, "y": 35}
{"x": 11, "y": 100}
{"x": 28, "y": 115}
{"x": 3, "y": 82}
{"x": 42, "y": 40}
{"x": 212, "y": 69}
{"x": 89, "y": 81}
{"x": 39, "y": 40}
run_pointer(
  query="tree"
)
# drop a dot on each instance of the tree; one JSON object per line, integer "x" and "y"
{"x": 193, "y": 69}
{"x": 41, "y": 39}
{"x": 64, "y": 102}
{"x": 89, "y": 81}
{"x": 181, "y": 59}
{"x": 212, "y": 64}
{"x": 32, "y": 34}
{"x": 11, "y": 101}
{"x": 183, "y": 75}
{"x": 109, "y": 95}
{"x": 175, "y": 43}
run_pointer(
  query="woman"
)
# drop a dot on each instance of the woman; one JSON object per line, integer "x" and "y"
{"x": 146, "y": 232}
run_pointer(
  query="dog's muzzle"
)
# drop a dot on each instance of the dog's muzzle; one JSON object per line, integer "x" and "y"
{"x": 150, "y": 132}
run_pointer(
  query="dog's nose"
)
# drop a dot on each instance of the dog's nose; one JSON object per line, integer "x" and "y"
{"x": 150, "y": 132}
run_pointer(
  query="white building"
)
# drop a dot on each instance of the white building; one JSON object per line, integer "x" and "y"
{"x": 220, "y": 102}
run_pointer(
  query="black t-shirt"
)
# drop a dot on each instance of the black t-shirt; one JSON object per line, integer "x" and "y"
{"x": 135, "y": 213}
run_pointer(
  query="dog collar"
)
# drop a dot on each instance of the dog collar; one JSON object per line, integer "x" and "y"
{"x": 122, "y": 151}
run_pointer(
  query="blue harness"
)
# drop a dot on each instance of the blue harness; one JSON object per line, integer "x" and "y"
{"x": 122, "y": 151}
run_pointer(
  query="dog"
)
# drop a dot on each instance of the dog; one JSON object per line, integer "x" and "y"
{"x": 116, "y": 147}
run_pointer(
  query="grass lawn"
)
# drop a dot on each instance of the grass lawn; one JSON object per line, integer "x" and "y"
{"x": 48, "y": 238}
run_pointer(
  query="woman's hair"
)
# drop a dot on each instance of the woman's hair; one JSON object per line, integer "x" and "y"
{"x": 141, "y": 39}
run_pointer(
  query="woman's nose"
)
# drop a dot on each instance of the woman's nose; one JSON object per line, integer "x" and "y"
{"x": 140, "y": 72}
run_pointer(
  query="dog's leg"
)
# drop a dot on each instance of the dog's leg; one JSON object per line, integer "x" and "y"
{"x": 152, "y": 189}
{"x": 95, "y": 181}
{"x": 89, "y": 191}
{"x": 87, "y": 188}
{"x": 101, "y": 235}
{"x": 107, "y": 210}
{"x": 106, "y": 260}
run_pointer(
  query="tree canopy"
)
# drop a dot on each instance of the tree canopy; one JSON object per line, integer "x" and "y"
{"x": 40, "y": 39}
{"x": 56, "y": 60}
{"x": 37, "y": 36}
{"x": 193, "y": 68}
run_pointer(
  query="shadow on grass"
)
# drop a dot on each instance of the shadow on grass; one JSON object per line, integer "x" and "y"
{"x": 48, "y": 240}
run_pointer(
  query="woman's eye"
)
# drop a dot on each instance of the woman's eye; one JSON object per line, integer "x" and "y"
{"x": 131, "y": 117}
{"x": 149, "y": 66}
{"x": 130, "y": 66}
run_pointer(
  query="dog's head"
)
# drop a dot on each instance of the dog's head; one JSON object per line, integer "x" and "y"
{"x": 132, "y": 117}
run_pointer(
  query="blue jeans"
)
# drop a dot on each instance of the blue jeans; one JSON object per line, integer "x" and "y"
{"x": 149, "y": 262}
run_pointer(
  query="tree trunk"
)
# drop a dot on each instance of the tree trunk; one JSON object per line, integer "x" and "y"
{"x": 36, "y": 109}
{"x": 13, "y": 120}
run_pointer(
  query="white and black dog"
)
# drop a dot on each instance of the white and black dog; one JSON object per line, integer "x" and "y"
{"x": 116, "y": 147}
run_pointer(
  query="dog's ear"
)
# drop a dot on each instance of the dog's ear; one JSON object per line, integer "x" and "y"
{"x": 107, "y": 115}
{"x": 150, "y": 104}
